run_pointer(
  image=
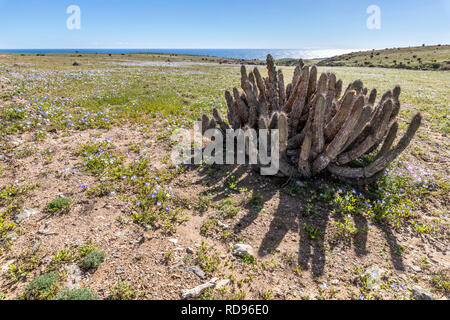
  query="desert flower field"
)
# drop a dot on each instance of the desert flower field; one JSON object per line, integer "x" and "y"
{"x": 92, "y": 207}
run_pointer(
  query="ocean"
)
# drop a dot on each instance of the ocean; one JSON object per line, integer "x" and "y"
{"x": 249, "y": 54}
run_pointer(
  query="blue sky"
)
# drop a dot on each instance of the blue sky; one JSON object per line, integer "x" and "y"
{"x": 299, "y": 24}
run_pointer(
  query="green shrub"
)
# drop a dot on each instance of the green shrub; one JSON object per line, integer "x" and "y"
{"x": 93, "y": 260}
{"x": 42, "y": 287}
{"x": 227, "y": 208}
{"x": 76, "y": 294}
{"x": 58, "y": 206}
{"x": 122, "y": 291}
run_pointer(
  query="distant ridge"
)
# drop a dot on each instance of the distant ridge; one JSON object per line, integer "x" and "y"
{"x": 242, "y": 54}
{"x": 417, "y": 58}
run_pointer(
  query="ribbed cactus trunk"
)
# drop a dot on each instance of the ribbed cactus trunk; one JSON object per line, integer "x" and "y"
{"x": 320, "y": 131}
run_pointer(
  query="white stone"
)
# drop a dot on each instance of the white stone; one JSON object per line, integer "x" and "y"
{"x": 74, "y": 275}
{"x": 24, "y": 215}
{"x": 46, "y": 230}
{"x": 415, "y": 268}
{"x": 420, "y": 293}
{"x": 197, "y": 291}
{"x": 5, "y": 267}
{"x": 222, "y": 283}
{"x": 242, "y": 249}
{"x": 222, "y": 225}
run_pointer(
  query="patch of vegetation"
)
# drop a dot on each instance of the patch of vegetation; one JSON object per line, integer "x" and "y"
{"x": 155, "y": 205}
{"x": 207, "y": 261}
{"x": 392, "y": 199}
{"x": 254, "y": 202}
{"x": 312, "y": 232}
{"x": 76, "y": 294}
{"x": 9, "y": 193}
{"x": 27, "y": 261}
{"x": 238, "y": 296}
{"x": 292, "y": 188}
{"x": 13, "y": 112}
{"x": 62, "y": 257}
{"x": 204, "y": 201}
{"x": 43, "y": 287}
{"x": 267, "y": 295}
{"x": 168, "y": 257}
{"x": 292, "y": 62}
{"x": 93, "y": 260}
{"x": 209, "y": 227}
{"x": 102, "y": 190}
{"x": 12, "y": 197}
{"x": 71, "y": 255}
{"x": 59, "y": 205}
{"x": 441, "y": 281}
{"x": 98, "y": 157}
{"x": 248, "y": 259}
{"x": 227, "y": 208}
{"x": 213, "y": 227}
{"x": 122, "y": 291}
{"x": 348, "y": 227}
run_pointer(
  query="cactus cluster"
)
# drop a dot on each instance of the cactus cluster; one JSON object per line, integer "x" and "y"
{"x": 349, "y": 135}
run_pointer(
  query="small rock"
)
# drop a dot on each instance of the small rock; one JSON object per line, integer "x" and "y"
{"x": 242, "y": 249}
{"x": 300, "y": 183}
{"x": 120, "y": 270}
{"x": 5, "y": 267}
{"x": 24, "y": 215}
{"x": 197, "y": 271}
{"x": 222, "y": 283}
{"x": 415, "y": 268}
{"x": 335, "y": 282}
{"x": 190, "y": 250}
{"x": 420, "y": 293}
{"x": 222, "y": 225}
{"x": 74, "y": 275}
{"x": 45, "y": 229}
{"x": 36, "y": 246}
{"x": 120, "y": 234}
{"x": 373, "y": 274}
{"x": 197, "y": 291}
{"x": 174, "y": 241}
